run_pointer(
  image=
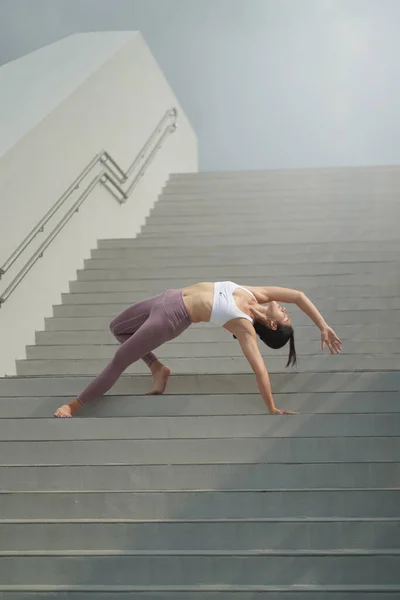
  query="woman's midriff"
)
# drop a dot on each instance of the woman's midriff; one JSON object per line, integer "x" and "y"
{"x": 199, "y": 299}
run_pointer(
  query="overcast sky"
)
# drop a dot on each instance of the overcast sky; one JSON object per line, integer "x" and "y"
{"x": 265, "y": 83}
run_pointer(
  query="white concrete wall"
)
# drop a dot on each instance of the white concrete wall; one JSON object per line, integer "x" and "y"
{"x": 34, "y": 85}
{"x": 115, "y": 108}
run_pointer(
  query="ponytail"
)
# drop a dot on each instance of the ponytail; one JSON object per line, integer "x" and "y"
{"x": 277, "y": 338}
{"x": 292, "y": 358}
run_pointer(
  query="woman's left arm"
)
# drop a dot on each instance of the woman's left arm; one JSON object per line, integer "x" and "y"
{"x": 328, "y": 336}
{"x": 287, "y": 295}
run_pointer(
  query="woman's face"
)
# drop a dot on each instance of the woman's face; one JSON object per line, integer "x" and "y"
{"x": 276, "y": 314}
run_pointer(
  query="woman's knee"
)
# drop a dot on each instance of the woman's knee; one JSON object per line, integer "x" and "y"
{"x": 112, "y": 325}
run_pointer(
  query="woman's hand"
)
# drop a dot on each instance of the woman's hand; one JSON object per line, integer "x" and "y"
{"x": 331, "y": 340}
{"x": 277, "y": 411}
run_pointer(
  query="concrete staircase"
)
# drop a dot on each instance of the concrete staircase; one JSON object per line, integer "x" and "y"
{"x": 200, "y": 494}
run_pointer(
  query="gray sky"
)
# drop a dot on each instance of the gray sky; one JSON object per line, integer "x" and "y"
{"x": 265, "y": 83}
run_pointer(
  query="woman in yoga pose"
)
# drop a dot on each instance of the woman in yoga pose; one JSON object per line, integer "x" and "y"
{"x": 243, "y": 311}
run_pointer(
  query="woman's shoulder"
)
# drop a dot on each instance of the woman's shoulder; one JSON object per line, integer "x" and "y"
{"x": 239, "y": 327}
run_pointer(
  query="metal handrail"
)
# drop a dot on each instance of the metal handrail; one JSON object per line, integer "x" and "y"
{"x": 124, "y": 175}
{"x": 105, "y": 158}
{"x": 111, "y": 177}
{"x": 149, "y": 159}
{"x": 50, "y": 213}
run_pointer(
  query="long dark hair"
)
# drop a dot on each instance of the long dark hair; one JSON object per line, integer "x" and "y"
{"x": 277, "y": 338}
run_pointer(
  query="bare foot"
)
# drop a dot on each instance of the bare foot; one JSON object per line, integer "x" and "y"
{"x": 161, "y": 375}
{"x": 67, "y": 410}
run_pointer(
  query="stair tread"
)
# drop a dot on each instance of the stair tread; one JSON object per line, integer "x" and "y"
{"x": 351, "y": 552}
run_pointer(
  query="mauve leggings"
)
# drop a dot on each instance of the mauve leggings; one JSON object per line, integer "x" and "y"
{"x": 140, "y": 329}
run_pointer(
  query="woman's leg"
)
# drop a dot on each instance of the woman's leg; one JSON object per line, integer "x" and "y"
{"x": 156, "y": 329}
{"x": 149, "y": 336}
{"x": 126, "y": 324}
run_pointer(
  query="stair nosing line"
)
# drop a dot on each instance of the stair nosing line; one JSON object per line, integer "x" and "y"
{"x": 310, "y": 588}
{"x": 299, "y": 520}
{"x": 351, "y": 552}
{"x": 206, "y": 491}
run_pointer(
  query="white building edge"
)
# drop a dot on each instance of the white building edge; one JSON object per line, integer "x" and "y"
{"x": 59, "y": 108}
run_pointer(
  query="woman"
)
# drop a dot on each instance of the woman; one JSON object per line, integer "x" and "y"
{"x": 146, "y": 325}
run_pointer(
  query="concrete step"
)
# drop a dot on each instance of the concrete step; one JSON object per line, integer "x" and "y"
{"x": 201, "y": 505}
{"x": 209, "y": 204}
{"x": 274, "y": 196}
{"x": 217, "y": 365}
{"x": 96, "y": 330}
{"x": 357, "y": 180}
{"x": 368, "y": 178}
{"x": 278, "y": 203}
{"x": 201, "y": 592}
{"x": 295, "y": 183}
{"x": 364, "y": 297}
{"x": 252, "y": 211}
{"x": 305, "y": 282}
{"x": 211, "y": 404}
{"x": 214, "y": 226}
{"x": 228, "y": 476}
{"x": 100, "y": 325}
{"x": 216, "y": 273}
{"x": 271, "y": 252}
{"x": 82, "y": 351}
{"x": 338, "y": 174}
{"x": 242, "y": 383}
{"x": 220, "y": 211}
{"x": 278, "y": 199}
{"x": 275, "y": 237}
{"x": 262, "y": 204}
{"x": 324, "y": 303}
{"x": 296, "y": 180}
{"x": 334, "y": 534}
{"x": 217, "y": 349}
{"x": 179, "y": 213}
{"x": 245, "y": 236}
{"x": 283, "y": 247}
{"x": 132, "y": 259}
{"x": 266, "y": 426}
{"x": 141, "y": 568}
{"x": 363, "y": 176}
{"x": 200, "y": 451}
{"x": 324, "y": 223}
{"x": 333, "y": 317}
{"x": 214, "y": 215}
{"x": 217, "y": 223}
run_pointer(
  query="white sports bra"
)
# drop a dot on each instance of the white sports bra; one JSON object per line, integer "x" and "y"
{"x": 224, "y": 306}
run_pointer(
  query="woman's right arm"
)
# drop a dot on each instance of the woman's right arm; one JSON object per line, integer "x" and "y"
{"x": 248, "y": 342}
